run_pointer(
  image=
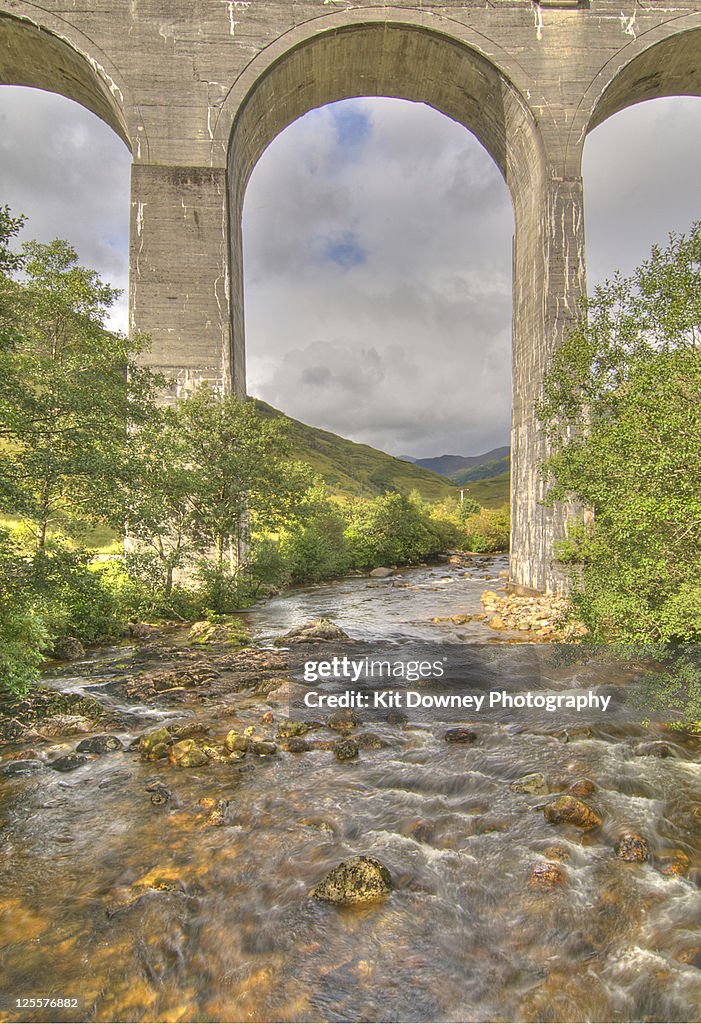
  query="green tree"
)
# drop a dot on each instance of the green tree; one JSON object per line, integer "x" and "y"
{"x": 68, "y": 388}
{"x": 622, "y": 407}
{"x": 211, "y": 472}
{"x": 9, "y": 227}
{"x": 390, "y": 529}
{"x": 246, "y": 478}
{"x": 316, "y": 548}
{"x": 24, "y": 632}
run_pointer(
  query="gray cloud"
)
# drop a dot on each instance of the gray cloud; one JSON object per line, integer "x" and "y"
{"x": 413, "y": 329}
{"x": 641, "y": 174}
{"x": 69, "y": 173}
{"x": 377, "y": 250}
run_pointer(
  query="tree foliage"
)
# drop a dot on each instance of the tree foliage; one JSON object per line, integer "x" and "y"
{"x": 622, "y": 406}
{"x": 68, "y": 387}
{"x": 206, "y": 472}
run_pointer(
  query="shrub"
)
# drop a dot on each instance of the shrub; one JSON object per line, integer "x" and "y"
{"x": 390, "y": 529}
{"x": 24, "y": 634}
{"x": 488, "y": 531}
{"x": 318, "y": 549}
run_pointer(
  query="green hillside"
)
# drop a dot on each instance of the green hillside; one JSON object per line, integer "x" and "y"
{"x": 491, "y": 493}
{"x": 484, "y": 471}
{"x": 351, "y": 469}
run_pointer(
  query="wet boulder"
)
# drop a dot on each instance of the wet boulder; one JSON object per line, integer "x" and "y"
{"x": 556, "y": 853}
{"x": 154, "y": 745}
{"x": 68, "y": 763}
{"x": 460, "y": 735}
{"x": 533, "y": 784}
{"x": 68, "y": 648}
{"x": 633, "y": 848}
{"x": 382, "y": 572}
{"x": 582, "y": 787}
{"x": 297, "y": 745}
{"x": 99, "y": 745}
{"x": 217, "y": 811}
{"x": 343, "y": 720}
{"x": 547, "y": 875}
{"x": 657, "y": 748}
{"x": 228, "y": 632}
{"x": 345, "y": 750}
{"x": 568, "y": 810}
{"x": 187, "y": 754}
{"x": 679, "y": 865}
{"x": 288, "y": 727}
{"x": 316, "y": 632}
{"x": 396, "y": 717}
{"x": 237, "y": 742}
{"x": 264, "y": 748}
{"x": 357, "y": 881}
{"x": 20, "y": 767}
{"x": 189, "y": 731}
{"x": 369, "y": 741}
{"x": 65, "y": 725}
{"x": 159, "y": 793}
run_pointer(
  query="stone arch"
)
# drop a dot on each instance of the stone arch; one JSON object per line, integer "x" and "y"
{"x": 662, "y": 62}
{"x": 32, "y": 55}
{"x": 366, "y": 54}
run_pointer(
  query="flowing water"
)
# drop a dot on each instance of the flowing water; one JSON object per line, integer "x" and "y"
{"x": 162, "y": 911}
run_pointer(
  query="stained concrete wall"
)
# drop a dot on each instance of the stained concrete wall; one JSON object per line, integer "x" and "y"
{"x": 198, "y": 88}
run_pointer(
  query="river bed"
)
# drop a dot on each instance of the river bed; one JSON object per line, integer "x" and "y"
{"x": 195, "y": 907}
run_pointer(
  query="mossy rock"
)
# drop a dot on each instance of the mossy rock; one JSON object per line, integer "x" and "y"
{"x": 533, "y": 784}
{"x": 288, "y": 727}
{"x": 230, "y": 631}
{"x": 357, "y": 881}
{"x": 154, "y": 745}
{"x": 567, "y": 810}
{"x": 187, "y": 754}
{"x": 41, "y": 703}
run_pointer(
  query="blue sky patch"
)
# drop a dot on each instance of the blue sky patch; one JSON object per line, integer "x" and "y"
{"x": 345, "y": 251}
{"x": 352, "y": 124}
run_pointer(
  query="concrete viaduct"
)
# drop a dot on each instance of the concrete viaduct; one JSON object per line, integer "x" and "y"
{"x": 198, "y": 88}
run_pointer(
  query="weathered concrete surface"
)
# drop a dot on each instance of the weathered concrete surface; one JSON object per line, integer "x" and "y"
{"x": 198, "y": 89}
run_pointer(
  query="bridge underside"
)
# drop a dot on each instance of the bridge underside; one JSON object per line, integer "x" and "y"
{"x": 199, "y": 90}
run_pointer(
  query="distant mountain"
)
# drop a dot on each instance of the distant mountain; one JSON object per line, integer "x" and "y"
{"x": 449, "y": 465}
{"x": 351, "y": 469}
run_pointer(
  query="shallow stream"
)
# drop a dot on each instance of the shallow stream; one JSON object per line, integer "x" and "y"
{"x": 160, "y": 911}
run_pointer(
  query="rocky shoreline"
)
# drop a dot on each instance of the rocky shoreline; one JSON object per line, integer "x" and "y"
{"x": 545, "y": 617}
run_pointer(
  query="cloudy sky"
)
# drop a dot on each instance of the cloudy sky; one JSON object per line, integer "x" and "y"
{"x": 377, "y": 241}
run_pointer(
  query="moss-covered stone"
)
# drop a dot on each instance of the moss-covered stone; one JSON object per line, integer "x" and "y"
{"x": 288, "y": 727}
{"x": 547, "y": 875}
{"x": 356, "y": 881}
{"x": 154, "y": 745}
{"x": 318, "y": 631}
{"x": 570, "y": 811}
{"x": 186, "y": 754}
{"x": 230, "y": 631}
{"x": 345, "y": 750}
{"x": 632, "y": 848}
{"x": 533, "y": 784}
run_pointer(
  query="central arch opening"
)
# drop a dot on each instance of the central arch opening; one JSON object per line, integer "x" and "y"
{"x": 361, "y": 57}
{"x": 377, "y": 268}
